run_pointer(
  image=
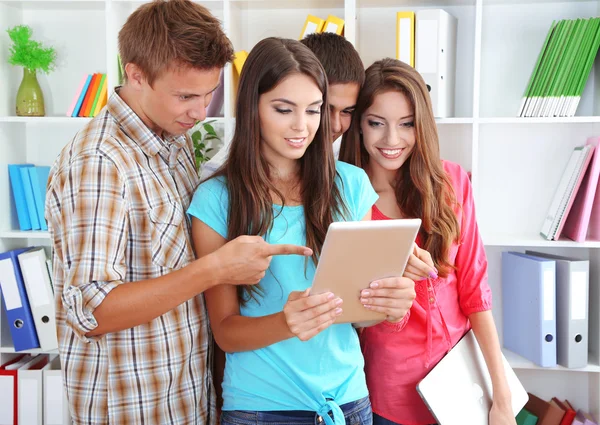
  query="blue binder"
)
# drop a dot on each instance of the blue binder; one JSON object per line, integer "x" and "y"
{"x": 39, "y": 180}
{"x": 16, "y": 304}
{"x": 16, "y": 183}
{"x": 28, "y": 190}
{"x": 529, "y": 307}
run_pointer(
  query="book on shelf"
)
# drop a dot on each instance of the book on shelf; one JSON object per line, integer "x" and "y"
{"x": 312, "y": 25}
{"x": 405, "y": 37}
{"x": 90, "y": 97}
{"x": 566, "y": 191}
{"x": 562, "y": 69}
{"x": 583, "y": 221}
{"x": 316, "y": 25}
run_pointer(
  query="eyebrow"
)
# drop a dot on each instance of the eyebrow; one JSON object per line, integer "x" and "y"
{"x": 346, "y": 108}
{"x": 382, "y": 118}
{"x": 185, "y": 93}
{"x": 289, "y": 102}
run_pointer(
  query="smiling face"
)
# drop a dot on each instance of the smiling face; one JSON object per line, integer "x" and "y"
{"x": 388, "y": 130}
{"x": 289, "y": 118}
{"x": 177, "y": 99}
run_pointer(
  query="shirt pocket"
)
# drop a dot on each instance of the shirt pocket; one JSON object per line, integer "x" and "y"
{"x": 169, "y": 241}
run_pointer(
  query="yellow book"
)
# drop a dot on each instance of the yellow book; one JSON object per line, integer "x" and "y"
{"x": 313, "y": 24}
{"x": 102, "y": 99}
{"x": 405, "y": 37}
{"x": 334, "y": 24}
{"x": 238, "y": 63}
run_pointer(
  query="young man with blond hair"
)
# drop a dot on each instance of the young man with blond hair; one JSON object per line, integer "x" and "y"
{"x": 134, "y": 339}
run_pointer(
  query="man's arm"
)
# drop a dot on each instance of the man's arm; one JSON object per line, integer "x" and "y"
{"x": 242, "y": 261}
{"x": 132, "y": 304}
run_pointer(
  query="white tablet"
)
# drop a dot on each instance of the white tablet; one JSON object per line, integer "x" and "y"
{"x": 458, "y": 390}
{"x": 355, "y": 254}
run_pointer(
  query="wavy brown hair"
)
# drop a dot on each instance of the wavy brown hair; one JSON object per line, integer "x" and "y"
{"x": 246, "y": 170}
{"x": 423, "y": 189}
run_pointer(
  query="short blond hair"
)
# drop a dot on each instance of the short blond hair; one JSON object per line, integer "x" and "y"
{"x": 173, "y": 33}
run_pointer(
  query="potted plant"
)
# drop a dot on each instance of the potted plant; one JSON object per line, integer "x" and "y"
{"x": 33, "y": 57}
{"x": 201, "y": 137}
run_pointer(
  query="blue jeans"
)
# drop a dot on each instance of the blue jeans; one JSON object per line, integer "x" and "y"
{"x": 378, "y": 420}
{"x": 356, "y": 413}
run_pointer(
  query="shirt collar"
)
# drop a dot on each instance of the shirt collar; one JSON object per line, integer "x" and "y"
{"x": 150, "y": 143}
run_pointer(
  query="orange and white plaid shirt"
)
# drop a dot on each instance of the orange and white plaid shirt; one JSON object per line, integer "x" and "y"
{"x": 117, "y": 196}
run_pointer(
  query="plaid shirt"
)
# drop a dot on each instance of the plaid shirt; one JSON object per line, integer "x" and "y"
{"x": 116, "y": 203}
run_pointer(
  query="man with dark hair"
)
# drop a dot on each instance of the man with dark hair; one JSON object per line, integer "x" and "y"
{"x": 345, "y": 73}
{"x": 134, "y": 339}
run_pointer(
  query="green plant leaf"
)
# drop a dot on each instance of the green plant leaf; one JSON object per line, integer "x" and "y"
{"x": 210, "y": 129}
{"x": 28, "y": 53}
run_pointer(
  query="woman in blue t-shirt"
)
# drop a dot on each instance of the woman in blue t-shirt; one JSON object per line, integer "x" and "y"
{"x": 287, "y": 362}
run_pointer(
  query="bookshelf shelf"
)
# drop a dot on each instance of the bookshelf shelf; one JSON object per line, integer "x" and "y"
{"x": 456, "y": 120}
{"x": 550, "y": 120}
{"x": 45, "y": 120}
{"x": 535, "y": 241}
{"x": 518, "y": 362}
{"x": 515, "y": 163}
{"x": 37, "y": 351}
{"x": 18, "y": 234}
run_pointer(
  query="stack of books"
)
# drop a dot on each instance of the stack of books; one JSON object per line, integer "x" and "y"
{"x": 562, "y": 69}
{"x": 575, "y": 208}
{"x": 90, "y": 97}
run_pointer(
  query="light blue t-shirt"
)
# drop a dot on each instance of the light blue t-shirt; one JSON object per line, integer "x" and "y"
{"x": 291, "y": 374}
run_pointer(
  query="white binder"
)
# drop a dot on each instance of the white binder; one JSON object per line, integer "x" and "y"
{"x": 41, "y": 296}
{"x": 56, "y": 406}
{"x": 572, "y": 294}
{"x": 436, "y": 57}
{"x": 30, "y": 391}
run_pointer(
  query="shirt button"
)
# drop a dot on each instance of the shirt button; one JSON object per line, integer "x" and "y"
{"x": 429, "y": 288}
{"x": 431, "y": 300}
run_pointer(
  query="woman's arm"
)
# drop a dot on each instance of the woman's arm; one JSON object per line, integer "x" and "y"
{"x": 303, "y": 316}
{"x": 487, "y": 337}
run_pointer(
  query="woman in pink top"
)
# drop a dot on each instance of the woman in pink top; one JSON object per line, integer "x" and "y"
{"x": 394, "y": 138}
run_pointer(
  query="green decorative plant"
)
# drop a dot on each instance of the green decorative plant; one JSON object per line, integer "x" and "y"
{"x": 204, "y": 134}
{"x": 28, "y": 53}
{"x": 33, "y": 57}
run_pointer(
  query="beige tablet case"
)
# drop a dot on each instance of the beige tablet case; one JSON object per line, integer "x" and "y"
{"x": 357, "y": 253}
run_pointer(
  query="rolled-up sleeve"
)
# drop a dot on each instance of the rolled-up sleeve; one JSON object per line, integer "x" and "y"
{"x": 88, "y": 212}
{"x": 471, "y": 261}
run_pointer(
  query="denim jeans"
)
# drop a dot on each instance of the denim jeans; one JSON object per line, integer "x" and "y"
{"x": 378, "y": 420}
{"x": 356, "y": 413}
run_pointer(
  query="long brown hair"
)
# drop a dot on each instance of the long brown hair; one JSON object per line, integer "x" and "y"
{"x": 423, "y": 189}
{"x": 246, "y": 170}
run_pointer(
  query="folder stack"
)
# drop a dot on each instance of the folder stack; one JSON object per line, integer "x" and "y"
{"x": 28, "y": 183}
{"x": 545, "y": 308}
{"x": 583, "y": 220}
{"x": 32, "y": 391}
{"x": 565, "y": 193}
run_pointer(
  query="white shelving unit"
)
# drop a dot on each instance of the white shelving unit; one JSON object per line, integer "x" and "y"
{"x": 515, "y": 163}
